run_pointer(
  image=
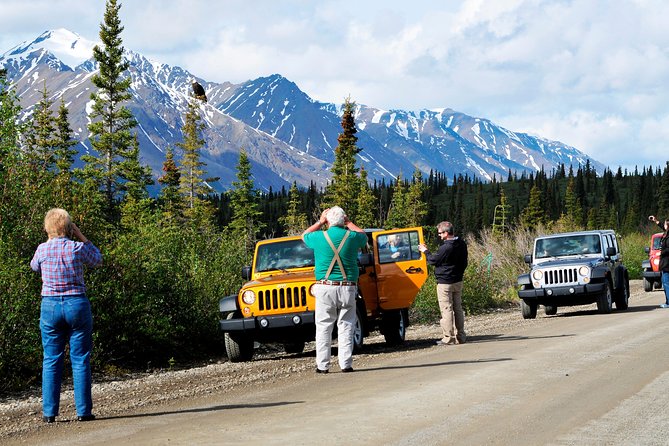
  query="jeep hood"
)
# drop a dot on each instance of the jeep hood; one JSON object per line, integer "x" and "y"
{"x": 282, "y": 278}
{"x": 565, "y": 262}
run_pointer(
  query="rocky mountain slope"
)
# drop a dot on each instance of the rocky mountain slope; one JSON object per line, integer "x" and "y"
{"x": 288, "y": 136}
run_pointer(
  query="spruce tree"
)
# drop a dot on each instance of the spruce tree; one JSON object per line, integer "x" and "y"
{"x": 366, "y": 203}
{"x": 533, "y": 214}
{"x": 64, "y": 143}
{"x": 40, "y": 138}
{"x": 192, "y": 184}
{"x": 295, "y": 221}
{"x": 416, "y": 206}
{"x": 246, "y": 218}
{"x": 571, "y": 219}
{"x": 398, "y": 213}
{"x": 170, "y": 198}
{"x": 111, "y": 122}
{"x": 345, "y": 185}
{"x": 663, "y": 193}
{"x": 10, "y": 128}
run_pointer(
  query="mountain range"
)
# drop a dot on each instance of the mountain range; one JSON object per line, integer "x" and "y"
{"x": 288, "y": 136}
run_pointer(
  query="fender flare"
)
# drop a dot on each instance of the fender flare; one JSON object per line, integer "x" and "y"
{"x": 228, "y": 303}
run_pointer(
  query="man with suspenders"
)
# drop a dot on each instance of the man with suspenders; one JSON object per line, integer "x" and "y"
{"x": 336, "y": 257}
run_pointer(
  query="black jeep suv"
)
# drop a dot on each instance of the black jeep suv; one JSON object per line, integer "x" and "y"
{"x": 574, "y": 268}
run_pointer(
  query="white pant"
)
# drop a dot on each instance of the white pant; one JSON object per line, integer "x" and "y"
{"x": 334, "y": 304}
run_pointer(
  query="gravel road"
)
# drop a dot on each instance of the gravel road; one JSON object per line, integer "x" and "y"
{"x": 479, "y": 387}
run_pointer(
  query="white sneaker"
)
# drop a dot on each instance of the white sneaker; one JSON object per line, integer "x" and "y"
{"x": 664, "y": 306}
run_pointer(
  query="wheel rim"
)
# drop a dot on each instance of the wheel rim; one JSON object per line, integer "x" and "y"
{"x": 357, "y": 332}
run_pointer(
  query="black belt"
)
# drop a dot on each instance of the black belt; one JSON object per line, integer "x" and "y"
{"x": 337, "y": 282}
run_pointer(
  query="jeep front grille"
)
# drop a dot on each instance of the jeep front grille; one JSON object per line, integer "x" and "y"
{"x": 560, "y": 276}
{"x": 280, "y": 298}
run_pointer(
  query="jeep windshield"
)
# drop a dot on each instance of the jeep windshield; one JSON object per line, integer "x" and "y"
{"x": 567, "y": 246}
{"x": 283, "y": 256}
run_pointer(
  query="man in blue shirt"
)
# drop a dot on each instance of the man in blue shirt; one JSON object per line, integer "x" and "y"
{"x": 336, "y": 270}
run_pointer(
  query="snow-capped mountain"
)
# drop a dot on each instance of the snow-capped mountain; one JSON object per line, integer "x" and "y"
{"x": 287, "y": 136}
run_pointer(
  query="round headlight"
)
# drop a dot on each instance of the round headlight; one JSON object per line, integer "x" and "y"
{"x": 537, "y": 274}
{"x": 584, "y": 271}
{"x": 249, "y": 297}
{"x": 656, "y": 261}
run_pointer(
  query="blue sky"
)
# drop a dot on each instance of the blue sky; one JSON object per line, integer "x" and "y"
{"x": 589, "y": 73}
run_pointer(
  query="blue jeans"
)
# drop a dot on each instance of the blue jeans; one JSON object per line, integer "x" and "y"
{"x": 665, "y": 285}
{"x": 62, "y": 320}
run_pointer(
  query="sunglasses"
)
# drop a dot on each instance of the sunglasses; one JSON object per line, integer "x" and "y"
{"x": 441, "y": 232}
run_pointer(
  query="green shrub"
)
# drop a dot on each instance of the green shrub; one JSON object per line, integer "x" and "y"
{"x": 632, "y": 247}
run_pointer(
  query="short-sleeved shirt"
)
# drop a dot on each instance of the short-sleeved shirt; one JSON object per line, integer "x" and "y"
{"x": 323, "y": 253}
{"x": 61, "y": 263}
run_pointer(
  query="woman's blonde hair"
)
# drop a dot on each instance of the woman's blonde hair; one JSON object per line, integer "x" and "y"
{"x": 57, "y": 223}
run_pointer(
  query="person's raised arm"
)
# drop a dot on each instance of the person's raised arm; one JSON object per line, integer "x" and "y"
{"x": 319, "y": 224}
{"x": 352, "y": 226}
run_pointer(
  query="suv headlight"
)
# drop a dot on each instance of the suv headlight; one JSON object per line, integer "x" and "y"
{"x": 537, "y": 274}
{"x": 584, "y": 272}
{"x": 249, "y": 297}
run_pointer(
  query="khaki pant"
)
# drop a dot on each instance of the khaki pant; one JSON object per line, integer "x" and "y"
{"x": 334, "y": 304}
{"x": 452, "y": 320}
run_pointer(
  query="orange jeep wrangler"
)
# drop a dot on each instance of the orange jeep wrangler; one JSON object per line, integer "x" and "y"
{"x": 652, "y": 276}
{"x": 276, "y": 305}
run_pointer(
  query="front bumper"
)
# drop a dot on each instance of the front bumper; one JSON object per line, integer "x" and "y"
{"x": 265, "y": 323}
{"x": 652, "y": 275}
{"x": 564, "y": 295}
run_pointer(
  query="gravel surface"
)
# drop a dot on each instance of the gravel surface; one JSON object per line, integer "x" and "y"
{"x": 21, "y": 415}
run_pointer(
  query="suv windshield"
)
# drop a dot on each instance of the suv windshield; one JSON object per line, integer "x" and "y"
{"x": 283, "y": 255}
{"x": 567, "y": 246}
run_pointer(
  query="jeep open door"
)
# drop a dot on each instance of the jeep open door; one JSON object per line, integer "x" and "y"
{"x": 400, "y": 267}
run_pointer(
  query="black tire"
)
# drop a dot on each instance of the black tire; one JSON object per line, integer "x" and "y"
{"x": 294, "y": 347}
{"x": 623, "y": 296}
{"x": 529, "y": 310}
{"x": 550, "y": 310}
{"x": 394, "y": 326}
{"x": 605, "y": 300}
{"x": 238, "y": 347}
{"x": 647, "y": 285}
{"x": 358, "y": 330}
{"x": 657, "y": 285}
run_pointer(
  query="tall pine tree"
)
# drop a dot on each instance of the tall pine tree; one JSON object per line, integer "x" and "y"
{"x": 192, "y": 182}
{"x": 111, "y": 122}
{"x": 246, "y": 218}
{"x": 345, "y": 185}
{"x": 295, "y": 221}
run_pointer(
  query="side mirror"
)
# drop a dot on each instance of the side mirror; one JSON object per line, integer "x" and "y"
{"x": 246, "y": 273}
{"x": 646, "y": 249}
{"x": 610, "y": 251}
{"x": 528, "y": 259}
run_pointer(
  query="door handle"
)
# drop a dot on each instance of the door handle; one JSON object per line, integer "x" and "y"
{"x": 413, "y": 270}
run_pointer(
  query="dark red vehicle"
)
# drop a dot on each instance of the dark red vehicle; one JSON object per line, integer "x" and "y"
{"x": 651, "y": 271}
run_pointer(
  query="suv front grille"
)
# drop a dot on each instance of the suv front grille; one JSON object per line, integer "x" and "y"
{"x": 560, "y": 276}
{"x": 280, "y": 298}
